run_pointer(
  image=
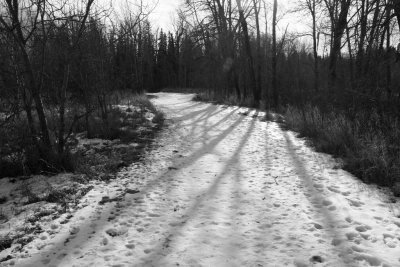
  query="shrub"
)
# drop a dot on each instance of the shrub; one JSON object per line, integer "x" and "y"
{"x": 365, "y": 141}
{"x": 5, "y": 242}
{"x": 21, "y": 154}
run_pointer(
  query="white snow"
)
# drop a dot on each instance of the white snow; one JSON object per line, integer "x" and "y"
{"x": 225, "y": 189}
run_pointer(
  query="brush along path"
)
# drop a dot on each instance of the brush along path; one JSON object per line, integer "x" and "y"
{"x": 222, "y": 188}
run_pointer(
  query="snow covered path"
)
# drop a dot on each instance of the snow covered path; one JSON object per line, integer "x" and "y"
{"x": 225, "y": 189}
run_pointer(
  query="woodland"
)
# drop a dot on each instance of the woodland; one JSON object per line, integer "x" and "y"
{"x": 200, "y": 143}
{"x": 64, "y": 63}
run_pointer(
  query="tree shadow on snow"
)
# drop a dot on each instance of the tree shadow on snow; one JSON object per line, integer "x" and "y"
{"x": 209, "y": 193}
{"x": 158, "y": 182}
{"x": 316, "y": 198}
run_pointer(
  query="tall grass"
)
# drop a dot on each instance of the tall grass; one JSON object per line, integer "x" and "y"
{"x": 367, "y": 142}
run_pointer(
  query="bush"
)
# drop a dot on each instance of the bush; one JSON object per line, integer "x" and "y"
{"x": 366, "y": 142}
{"x": 5, "y": 242}
{"x": 21, "y": 154}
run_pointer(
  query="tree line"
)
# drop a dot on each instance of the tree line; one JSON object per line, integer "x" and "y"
{"x": 62, "y": 63}
{"x": 350, "y": 53}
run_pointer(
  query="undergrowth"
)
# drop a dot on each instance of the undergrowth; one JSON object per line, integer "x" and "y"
{"x": 367, "y": 143}
{"x": 20, "y": 156}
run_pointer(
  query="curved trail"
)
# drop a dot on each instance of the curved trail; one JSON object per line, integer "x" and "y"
{"x": 224, "y": 189}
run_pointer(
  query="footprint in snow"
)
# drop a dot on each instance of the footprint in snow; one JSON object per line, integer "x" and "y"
{"x": 351, "y": 235}
{"x": 104, "y": 241}
{"x": 74, "y": 230}
{"x": 265, "y": 226}
{"x": 336, "y": 241}
{"x": 318, "y": 186}
{"x": 390, "y": 240}
{"x": 363, "y": 228}
{"x": 61, "y": 256}
{"x": 334, "y": 189}
{"x": 318, "y": 226}
{"x": 130, "y": 246}
{"x": 327, "y": 202}
{"x": 355, "y": 203}
{"x": 147, "y": 251}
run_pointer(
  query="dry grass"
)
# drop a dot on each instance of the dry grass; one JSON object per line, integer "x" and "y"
{"x": 367, "y": 143}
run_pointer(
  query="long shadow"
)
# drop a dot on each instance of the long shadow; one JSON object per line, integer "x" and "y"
{"x": 55, "y": 248}
{"x": 212, "y": 189}
{"x": 203, "y": 118}
{"x": 204, "y": 126}
{"x": 202, "y": 112}
{"x": 211, "y": 144}
{"x": 153, "y": 183}
{"x": 199, "y": 115}
{"x": 235, "y": 229}
{"x": 225, "y": 118}
{"x": 328, "y": 219}
{"x": 195, "y": 155}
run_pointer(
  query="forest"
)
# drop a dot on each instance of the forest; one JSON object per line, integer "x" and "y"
{"x": 265, "y": 132}
{"x": 337, "y": 81}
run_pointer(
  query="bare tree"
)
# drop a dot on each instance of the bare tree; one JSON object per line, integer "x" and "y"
{"x": 21, "y": 31}
{"x": 257, "y": 7}
{"x": 253, "y": 84}
{"x": 338, "y": 11}
{"x": 274, "y": 56}
{"x": 312, "y": 8}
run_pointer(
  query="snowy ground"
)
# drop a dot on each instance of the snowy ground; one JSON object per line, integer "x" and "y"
{"x": 222, "y": 188}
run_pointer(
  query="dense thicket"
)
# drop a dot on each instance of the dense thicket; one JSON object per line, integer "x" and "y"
{"x": 62, "y": 63}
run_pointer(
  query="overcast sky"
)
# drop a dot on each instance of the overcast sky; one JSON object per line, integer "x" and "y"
{"x": 162, "y": 15}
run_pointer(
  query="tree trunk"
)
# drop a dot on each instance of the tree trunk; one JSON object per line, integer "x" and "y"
{"x": 350, "y": 58}
{"x": 256, "y": 95}
{"x": 274, "y": 56}
{"x": 361, "y": 39}
{"x": 315, "y": 47}
{"x": 338, "y": 29}
{"x": 387, "y": 61}
{"x": 63, "y": 98}
{"x": 30, "y": 81}
{"x": 259, "y": 55}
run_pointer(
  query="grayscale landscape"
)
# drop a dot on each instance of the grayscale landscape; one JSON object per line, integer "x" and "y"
{"x": 200, "y": 133}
